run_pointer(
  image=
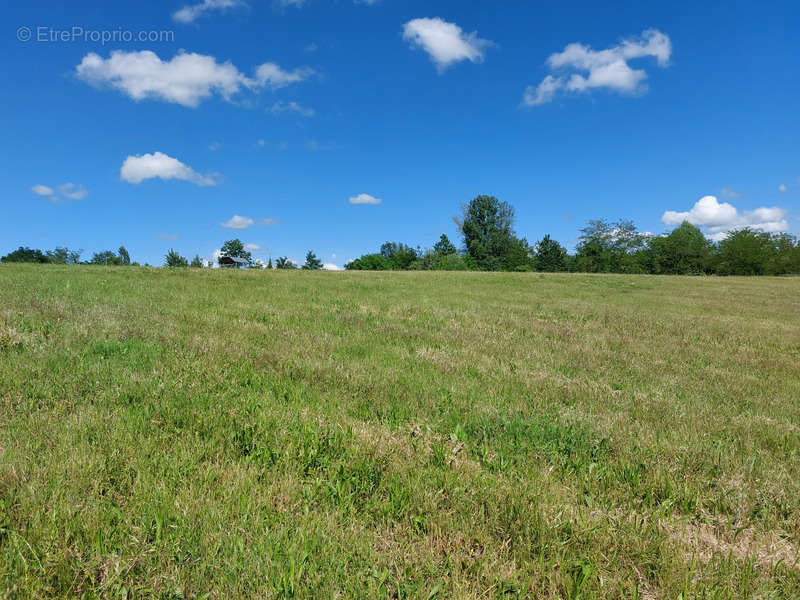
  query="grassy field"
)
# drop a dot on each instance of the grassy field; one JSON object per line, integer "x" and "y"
{"x": 210, "y": 434}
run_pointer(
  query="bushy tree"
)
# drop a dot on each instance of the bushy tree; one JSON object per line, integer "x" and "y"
{"x": 197, "y": 262}
{"x": 64, "y": 256}
{"x": 173, "y": 259}
{"x": 444, "y": 246}
{"x": 487, "y": 227}
{"x": 26, "y": 255}
{"x": 370, "y": 262}
{"x": 235, "y": 249}
{"x": 312, "y": 262}
{"x": 106, "y": 257}
{"x": 685, "y": 251}
{"x": 550, "y": 255}
{"x": 611, "y": 248}
{"x": 400, "y": 256}
{"x": 269, "y": 264}
{"x": 125, "y": 258}
{"x": 284, "y": 263}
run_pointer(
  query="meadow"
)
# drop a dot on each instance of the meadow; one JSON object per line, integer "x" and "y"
{"x": 187, "y": 433}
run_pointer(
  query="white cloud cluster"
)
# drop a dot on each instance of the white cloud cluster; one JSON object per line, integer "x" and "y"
{"x": 580, "y": 69}
{"x": 364, "y": 199}
{"x": 185, "y": 79}
{"x": 446, "y": 43}
{"x": 331, "y": 267}
{"x": 291, "y": 107}
{"x": 718, "y": 218}
{"x": 64, "y": 192}
{"x": 191, "y": 12}
{"x": 136, "y": 169}
{"x": 237, "y": 222}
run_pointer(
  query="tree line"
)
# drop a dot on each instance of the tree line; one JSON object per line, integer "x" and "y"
{"x": 491, "y": 244}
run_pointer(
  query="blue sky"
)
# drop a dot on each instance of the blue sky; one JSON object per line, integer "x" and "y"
{"x": 281, "y": 112}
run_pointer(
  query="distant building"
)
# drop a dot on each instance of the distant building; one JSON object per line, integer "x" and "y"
{"x": 232, "y": 262}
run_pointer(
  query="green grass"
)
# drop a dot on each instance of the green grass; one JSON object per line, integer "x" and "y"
{"x": 211, "y": 434}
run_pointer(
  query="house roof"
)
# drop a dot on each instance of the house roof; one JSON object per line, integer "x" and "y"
{"x": 233, "y": 259}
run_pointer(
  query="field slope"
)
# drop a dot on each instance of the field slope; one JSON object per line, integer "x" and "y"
{"x": 194, "y": 433}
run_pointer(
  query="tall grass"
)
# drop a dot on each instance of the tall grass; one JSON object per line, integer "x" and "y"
{"x": 213, "y": 434}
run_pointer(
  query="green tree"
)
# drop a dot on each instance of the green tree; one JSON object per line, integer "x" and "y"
{"x": 400, "y": 256}
{"x": 197, "y": 262}
{"x": 685, "y": 251}
{"x": 269, "y": 264}
{"x": 487, "y": 227}
{"x": 444, "y": 246}
{"x": 312, "y": 262}
{"x": 284, "y": 263}
{"x": 611, "y": 248}
{"x": 106, "y": 257}
{"x": 64, "y": 256}
{"x": 370, "y": 262}
{"x": 125, "y": 258}
{"x": 173, "y": 259}
{"x": 550, "y": 255}
{"x": 742, "y": 252}
{"x": 235, "y": 249}
{"x": 26, "y": 255}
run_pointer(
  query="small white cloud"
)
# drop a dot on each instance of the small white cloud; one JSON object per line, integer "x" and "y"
{"x": 727, "y": 192}
{"x": 185, "y": 79}
{"x": 783, "y": 187}
{"x": 252, "y": 247}
{"x": 718, "y": 218}
{"x": 271, "y": 74}
{"x": 42, "y": 190}
{"x": 364, "y": 199}
{"x": 191, "y": 12}
{"x": 136, "y": 169}
{"x": 237, "y": 222}
{"x": 166, "y": 236}
{"x": 72, "y": 191}
{"x": 64, "y": 192}
{"x": 580, "y": 69}
{"x": 269, "y": 221}
{"x": 291, "y": 107}
{"x": 331, "y": 267}
{"x": 446, "y": 43}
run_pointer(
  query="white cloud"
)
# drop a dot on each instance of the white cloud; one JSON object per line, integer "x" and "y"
{"x": 64, "y": 192}
{"x": 446, "y": 43}
{"x": 42, "y": 190}
{"x": 364, "y": 199}
{"x": 166, "y": 236}
{"x": 718, "y": 218}
{"x": 580, "y": 69}
{"x": 727, "y": 192}
{"x": 191, "y": 12}
{"x": 271, "y": 74}
{"x": 252, "y": 247}
{"x": 291, "y": 107}
{"x": 269, "y": 221}
{"x": 237, "y": 222}
{"x": 331, "y": 267}
{"x": 782, "y": 187}
{"x": 72, "y": 191}
{"x": 186, "y": 79}
{"x": 136, "y": 169}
